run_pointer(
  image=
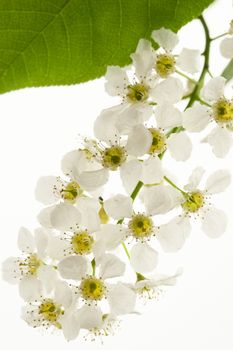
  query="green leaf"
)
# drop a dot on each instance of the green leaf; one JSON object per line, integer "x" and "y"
{"x": 228, "y": 71}
{"x": 53, "y": 42}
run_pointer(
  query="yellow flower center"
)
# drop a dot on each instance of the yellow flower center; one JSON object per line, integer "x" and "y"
{"x": 158, "y": 144}
{"x": 223, "y": 111}
{"x": 137, "y": 93}
{"x": 82, "y": 242}
{"x": 165, "y": 65}
{"x": 141, "y": 226}
{"x": 92, "y": 288}
{"x": 30, "y": 265}
{"x": 194, "y": 202}
{"x": 51, "y": 311}
{"x": 71, "y": 191}
{"x": 113, "y": 157}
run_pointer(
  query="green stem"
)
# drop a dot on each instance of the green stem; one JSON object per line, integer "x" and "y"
{"x": 126, "y": 250}
{"x": 205, "y": 69}
{"x": 186, "y": 77}
{"x": 218, "y": 36}
{"x": 136, "y": 190}
{"x": 175, "y": 186}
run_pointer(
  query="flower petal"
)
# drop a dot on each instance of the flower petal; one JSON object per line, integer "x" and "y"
{"x": 196, "y": 118}
{"x": 167, "y": 116}
{"x": 169, "y": 91}
{"x": 194, "y": 179}
{"x": 10, "y": 270}
{"x": 30, "y": 288}
{"x": 131, "y": 173}
{"x": 63, "y": 294}
{"x": 73, "y": 267}
{"x": 104, "y": 126}
{"x": 221, "y": 141}
{"x": 119, "y": 206}
{"x": 165, "y": 38}
{"x": 189, "y": 60}
{"x": 116, "y": 80}
{"x": 161, "y": 199}
{"x": 111, "y": 266}
{"x": 26, "y": 241}
{"x": 214, "y": 223}
{"x": 90, "y": 317}
{"x": 143, "y": 58}
{"x": 65, "y": 217}
{"x": 171, "y": 237}
{"x": 214, "y": 89}
{"x": 179, "y": 146}
{"x": 218, "y": 181}
{"x": 121, "y": 299}
{"x": 226, "y": 47}
{"x": 44, "y": 191}
{"x": 70, "y": 323}
{"x": 89, "y": 210}
{"x": 139, "y": 141}
{"x": 143, "y": 257}
{"x": 41, "y": 240}
{"x": 91, "y": 180}
{"x": 152, "y": 171}
{"x": 48, "y": 276}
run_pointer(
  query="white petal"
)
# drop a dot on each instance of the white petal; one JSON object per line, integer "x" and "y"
{"x": 226, "y": 47}
{"x": 165, "y": 38}
{"x": 189, "y": 60}
{"x": 10, "y": 270}
{"x": 44, "y": 191}
{"x": 121, "y": 299}
{"x": 30, "y": 288}
{"x": 218, "y": 181}
{"x": 56, "y": 247}
{"x": 47, "y": 275}
{"x": 194, "y": 179}
{"x": 73, "y": 267}
{"x": 143, "y": 58}
{"x": 116, "y": 80}
{"x": 171, "y": 237}
{"x": 104, "y": 126}
{"x": 214, "y": 223}
{"x": 89, "y": 208}
{"x": 143, "y": 258}
{"x": 26, "y": 241}
{"x": 75, "y": 162}
{"x": 221, "y": 141}
{"x": 167, "y": 116}
{"x": 41, "y": 240}
{"x": 179, "y": 146}
{"x": 119, "y": 207}
{"x": 169, "y": 91}
{"x": 196, "y": 118}
{"x": 111, "y": 235}
{"x": 139, "y": 141}
{"x": 44, "y": 216}
{"x": 63, "y": 294}
{"x": 70, "y": 325}
{"x": 90, "y": 317}
{"x": 214, "y": 89}
{"x": 131, "y": 173}
{"x": 131, "y": 115}
{"x": 152, "y": 170}
{"x": 65, "y": 217}
{"x": 111, "y": 266}
{"x": 161, "y": 199}
{"x": 91, "y": 180}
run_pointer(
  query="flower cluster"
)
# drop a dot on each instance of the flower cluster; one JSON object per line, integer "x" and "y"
{"x": 72, "y": 273}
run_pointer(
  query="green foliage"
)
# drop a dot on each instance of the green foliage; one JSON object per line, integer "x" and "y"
{"x": 53, "y": 42}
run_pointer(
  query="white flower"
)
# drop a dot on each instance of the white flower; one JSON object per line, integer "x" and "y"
{"x": 196, "y": 118}
{"x": 54, "y": 310}
{"x": 93, "y": 289}
{"x": 226, "y": 45}
{"x": 155, "y": 141}
{"x": 196, "y": 201}
{"x": 30, "y": 271}
{"x": 150, "y": 287}
{"x": 165, "y": 64}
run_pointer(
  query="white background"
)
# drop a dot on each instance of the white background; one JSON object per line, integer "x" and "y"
{"x": 37, "y": 127}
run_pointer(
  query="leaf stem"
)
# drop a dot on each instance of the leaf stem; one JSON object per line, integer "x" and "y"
{"x": 175, "y": 186}
{"x": 218, "y": 36}
{"x": 186, "y": 77}
{"x": 126, "y": 250}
